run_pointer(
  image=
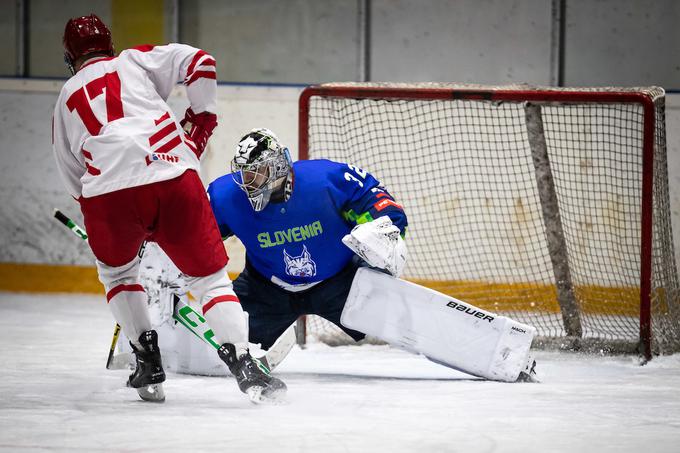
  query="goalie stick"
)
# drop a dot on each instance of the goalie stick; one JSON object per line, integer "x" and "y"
{"x": 192, "y": 320}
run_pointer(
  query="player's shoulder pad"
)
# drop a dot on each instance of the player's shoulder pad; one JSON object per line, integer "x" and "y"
{"x": 149, "y": 53}
{"x": 343, "y": 181}
{"x": 325, "y": 169}
{"x": 141, "y": 48}
{"x": 222, "y": 188}
{"x": 71, "y": 85}
{"x": 138, "y": 52}
{"x": 315, "y": 170}
{"x": 315, "y": 164}
{"x": 146, "y": 48}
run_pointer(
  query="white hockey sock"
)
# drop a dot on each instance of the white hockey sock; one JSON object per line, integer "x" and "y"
{"x": 222, "y": 309}
{"x": 228, "y": 321}
{"x": 130, "y": 310}
{"x": 127, "y": 298}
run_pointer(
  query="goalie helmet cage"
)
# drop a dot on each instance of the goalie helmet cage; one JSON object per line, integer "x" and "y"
{"x": 549, "y": 205}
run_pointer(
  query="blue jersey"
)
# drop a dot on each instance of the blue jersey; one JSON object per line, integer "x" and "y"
{"x": 300, "y": 240}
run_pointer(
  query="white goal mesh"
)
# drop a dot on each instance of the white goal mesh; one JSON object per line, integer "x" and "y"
{"x": 548, "y": 205}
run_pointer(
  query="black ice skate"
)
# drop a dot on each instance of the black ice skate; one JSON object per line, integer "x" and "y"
{"x": 148, "y": 374}
{"x": 252, "y": 377}
{"x": 529, "y": 372}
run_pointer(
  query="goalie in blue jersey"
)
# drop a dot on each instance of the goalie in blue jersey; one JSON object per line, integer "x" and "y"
{"x": 311, "y": 227}
{"x": 306, "y": 227}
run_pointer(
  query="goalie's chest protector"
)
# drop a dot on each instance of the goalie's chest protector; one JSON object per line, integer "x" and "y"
{"x": 298, "y": 241}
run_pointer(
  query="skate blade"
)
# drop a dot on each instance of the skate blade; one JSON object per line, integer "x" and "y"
{"x": 526, "y": 377}
{"x": 529, "y": 373}
{"x": 258, "y": 396}
{"x": 153, "y": 393}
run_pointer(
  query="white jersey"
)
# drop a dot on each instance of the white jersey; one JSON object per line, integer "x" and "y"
{"x": 112, "y": 127}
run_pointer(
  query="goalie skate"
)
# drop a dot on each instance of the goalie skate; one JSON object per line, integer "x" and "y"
{"x": 528, "y": 374}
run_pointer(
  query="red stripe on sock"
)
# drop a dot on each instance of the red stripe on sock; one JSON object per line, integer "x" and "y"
{"x": 217, "y": 300}
{"x": 117, "y": 289}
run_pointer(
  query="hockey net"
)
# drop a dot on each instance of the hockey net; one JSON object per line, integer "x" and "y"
{"x": 547, "y": 205}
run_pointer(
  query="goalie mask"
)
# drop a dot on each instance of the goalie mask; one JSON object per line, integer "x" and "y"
{"x": 262, "y": 168}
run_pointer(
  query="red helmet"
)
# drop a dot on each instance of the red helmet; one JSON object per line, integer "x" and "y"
{"x": 84, "y": 35}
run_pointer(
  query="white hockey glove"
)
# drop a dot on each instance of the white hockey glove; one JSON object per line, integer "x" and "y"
{"x": 379, "y": 243}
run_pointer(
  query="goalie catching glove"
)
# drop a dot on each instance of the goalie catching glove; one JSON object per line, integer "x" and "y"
{"x": 199, "y": 127}
{"x": 380, "y": 244}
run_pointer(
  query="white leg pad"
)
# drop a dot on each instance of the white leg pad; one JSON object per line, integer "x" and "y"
{"x": 442, "y": 328}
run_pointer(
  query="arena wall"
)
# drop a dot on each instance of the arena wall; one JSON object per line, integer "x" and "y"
{"x": 39, "y": 254}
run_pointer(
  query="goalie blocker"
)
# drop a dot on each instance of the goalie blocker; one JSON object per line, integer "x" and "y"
{"x": 444, "y": 329}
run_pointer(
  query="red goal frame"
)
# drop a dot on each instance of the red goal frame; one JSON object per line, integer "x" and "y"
{"x": 542, "y": 95}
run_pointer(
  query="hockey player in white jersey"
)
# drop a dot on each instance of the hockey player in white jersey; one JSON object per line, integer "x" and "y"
{"x": 133, "y": 167}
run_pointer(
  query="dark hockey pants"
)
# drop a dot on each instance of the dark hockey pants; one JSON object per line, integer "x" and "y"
{"x": 272, "y": 309}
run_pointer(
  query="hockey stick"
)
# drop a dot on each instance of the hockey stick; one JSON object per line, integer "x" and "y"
{"x": 192, "y": 320}
{"x": 70, "y": 224}
{"x": 114, "y": 341}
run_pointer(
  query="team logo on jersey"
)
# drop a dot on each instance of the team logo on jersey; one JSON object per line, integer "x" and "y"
{"x": 161, "y": 156}
{"x": 300, "y": 266}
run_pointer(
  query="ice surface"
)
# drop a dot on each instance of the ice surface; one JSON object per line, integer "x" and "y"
{"x": 56, "y": 395}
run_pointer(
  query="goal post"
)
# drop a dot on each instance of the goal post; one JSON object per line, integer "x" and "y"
{"x": 550, "y": 205}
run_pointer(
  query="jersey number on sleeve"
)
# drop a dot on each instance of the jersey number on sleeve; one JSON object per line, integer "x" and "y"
{"x": 81, "y": 104}
{"x": 358, "y": 171}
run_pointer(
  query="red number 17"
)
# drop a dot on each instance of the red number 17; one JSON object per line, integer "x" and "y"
{"x": 114, "y": 106}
